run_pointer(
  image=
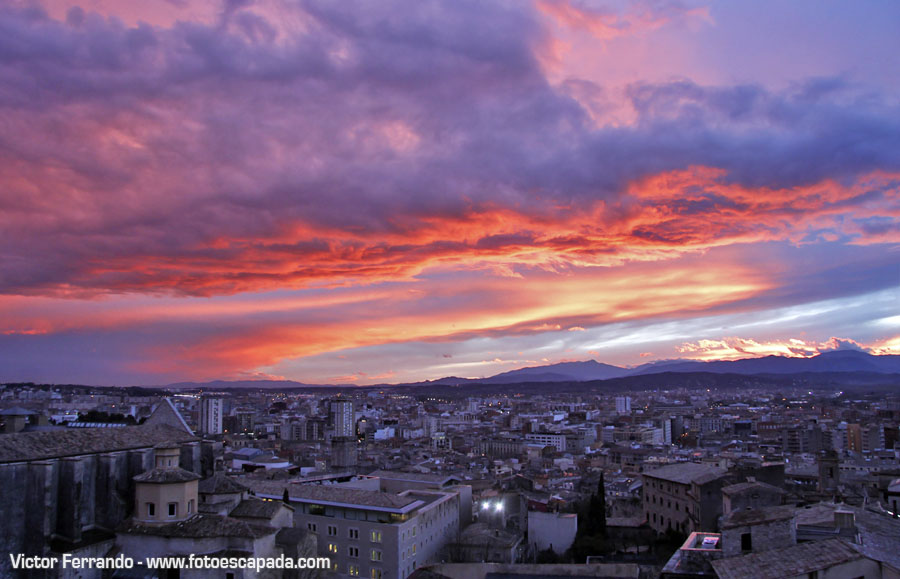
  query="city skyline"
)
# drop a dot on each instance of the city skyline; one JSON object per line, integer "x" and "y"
{"x": 391, "y": 192}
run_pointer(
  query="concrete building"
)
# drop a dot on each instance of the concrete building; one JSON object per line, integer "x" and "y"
{"x": 344, "y": 452}
{"x": 558, "y": 441}
{"x": 683, "y": 497}
{"x": 750, "y": 494}
{"x": 623, "y": 405}
{"x": 754, "y": 530}
{"x": 371, "y": 533}
{"x": 212, "y": 415}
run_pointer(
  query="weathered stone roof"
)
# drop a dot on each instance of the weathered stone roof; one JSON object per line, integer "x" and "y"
{"x": 220, "y": 484}
{"x": 201, "y": 526}
{"x": 741, "y": 518}
{"x": 166, "y": 413}
{"x": 878, "y": 531}
{"x": 744, "y": 487}
{"x": 790, "y": 562}
{"x": 25, "y": 446}
{"x": 257, "y": 509}
{"x": 166, "y": 475}
{"x": 686, "y": 472}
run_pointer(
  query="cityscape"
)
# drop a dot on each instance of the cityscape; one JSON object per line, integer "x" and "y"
{"x": 425, "y": 289}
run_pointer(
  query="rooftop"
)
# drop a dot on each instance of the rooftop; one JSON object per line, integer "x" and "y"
{"x": 415, "y": 476}
{"x": 333, "y": 494}
{"x": 758, "y": 516}
{"x": 199, "y": 527}
{"x": 166, "y": 475}
{"x": 790, "y": 562}
{"x": 686, "y": 472}
{"x": 25, "y": 446}
{"x": 750, "y": 486}
{"x": 257, "y": 509}
{"x": 220, "y": 483}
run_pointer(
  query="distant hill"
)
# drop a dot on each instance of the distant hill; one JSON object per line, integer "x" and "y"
{"x": 562, "y": 372}
{"x": 836, "y": 361}
{"x": 826, "y": 363}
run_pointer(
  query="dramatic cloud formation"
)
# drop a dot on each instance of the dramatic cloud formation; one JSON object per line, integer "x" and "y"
{"x": 205, "y": 189}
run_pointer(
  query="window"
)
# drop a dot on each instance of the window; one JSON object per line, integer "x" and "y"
{"x": 376, "y": 573}
{"x": 190, "y": 506}
{"x": 353, "y": 533}
{"x": 311, "y": 527}
{"x": 151, "y": 509}
{"x": 332, "y": 548}
{"x": 332, "y": 531}
{"x": 353, "y": 570}
{"x": 376, "y": 555}
{"x": 173, "y": 509}
{"x": 353, "y": 551}
{"x": 376, "y": 536}
{"x": 746, "y": 542}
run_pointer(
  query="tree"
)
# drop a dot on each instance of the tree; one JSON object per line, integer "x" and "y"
{"x": 601, "y": 507}
{"x": 286, "y": 498}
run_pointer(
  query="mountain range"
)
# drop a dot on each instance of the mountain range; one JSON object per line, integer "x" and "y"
{"x": 841, "y": 361}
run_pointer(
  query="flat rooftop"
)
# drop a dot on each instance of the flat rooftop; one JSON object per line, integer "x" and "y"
{"x": 334, "y": 495}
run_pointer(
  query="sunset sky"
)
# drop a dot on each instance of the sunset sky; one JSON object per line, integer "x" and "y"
{"x": 380, "y": 191}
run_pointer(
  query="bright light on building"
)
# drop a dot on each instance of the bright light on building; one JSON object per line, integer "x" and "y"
{"x": 498, "y": 507}
{"x": 484, "y": 506}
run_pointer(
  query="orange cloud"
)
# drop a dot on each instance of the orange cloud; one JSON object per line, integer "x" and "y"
{"x": 537, "y": 304}
{"x": 735, "y": 348}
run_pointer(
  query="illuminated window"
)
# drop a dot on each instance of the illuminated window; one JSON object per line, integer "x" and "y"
{"x": 332, "y": 548}
{"x": 376, "y": 536}
{"x": 376, "y": 573}
{"x": 353, "y": 570}
{"x": 376, "y": 555}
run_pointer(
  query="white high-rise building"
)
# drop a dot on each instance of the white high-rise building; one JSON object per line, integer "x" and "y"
{"x": 342, "y": 417}
{"x": 212, "y": 411}
{"x": 623, "y": 405}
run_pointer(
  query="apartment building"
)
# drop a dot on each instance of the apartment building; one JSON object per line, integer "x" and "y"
{"x": 682, "y": 497}
{"x": 556, "y": 440}
{"x": 371, "y": 534}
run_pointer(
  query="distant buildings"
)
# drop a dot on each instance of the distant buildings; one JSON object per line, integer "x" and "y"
{"x": 623, "y": 405}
